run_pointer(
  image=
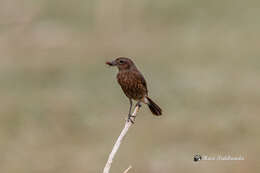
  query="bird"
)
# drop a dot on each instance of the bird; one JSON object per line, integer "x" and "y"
{"x": 133, "y": 85}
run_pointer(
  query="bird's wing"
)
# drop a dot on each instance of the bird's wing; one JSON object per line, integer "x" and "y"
{"x": 140, "y": 78}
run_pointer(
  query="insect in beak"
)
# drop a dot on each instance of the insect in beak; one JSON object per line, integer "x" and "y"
{"x": 111, "y": 63}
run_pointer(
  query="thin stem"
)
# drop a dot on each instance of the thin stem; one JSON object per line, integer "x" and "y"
{"x": 128, "y": 124}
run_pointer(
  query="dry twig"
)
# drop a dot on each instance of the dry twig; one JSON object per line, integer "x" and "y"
{"x": 126, "y": 171}
{"x": 128, "y": 124}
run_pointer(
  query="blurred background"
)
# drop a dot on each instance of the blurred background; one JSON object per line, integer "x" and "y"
{"x": 61, "y": 109}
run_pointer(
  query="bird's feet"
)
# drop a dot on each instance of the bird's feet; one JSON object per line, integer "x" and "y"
{"x": 138, "y": 104}
{"x": 131, "y": 118}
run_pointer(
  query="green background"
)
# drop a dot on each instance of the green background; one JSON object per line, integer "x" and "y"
{"x": 61, "y": 109}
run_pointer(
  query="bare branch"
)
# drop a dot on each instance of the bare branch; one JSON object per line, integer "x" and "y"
{"x": 128, "y": 169}
{"x": 128, "y": 124}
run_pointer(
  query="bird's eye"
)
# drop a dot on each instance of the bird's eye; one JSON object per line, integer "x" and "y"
{"x": 121, "y": 61}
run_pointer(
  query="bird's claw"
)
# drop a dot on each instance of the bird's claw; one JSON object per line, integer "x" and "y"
{"x": 131, "y": 118}
{"x": 138, "y": 104}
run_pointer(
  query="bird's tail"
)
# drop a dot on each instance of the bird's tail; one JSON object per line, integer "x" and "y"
{"x": 155, "y": 109}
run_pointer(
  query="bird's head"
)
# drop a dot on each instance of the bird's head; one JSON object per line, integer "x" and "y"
{"x": 122, "y": 63}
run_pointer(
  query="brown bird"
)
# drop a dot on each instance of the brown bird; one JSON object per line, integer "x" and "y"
{"x": 133, "y": 84}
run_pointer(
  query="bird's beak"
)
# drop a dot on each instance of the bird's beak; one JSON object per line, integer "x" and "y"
{"x": 111, "y": 63}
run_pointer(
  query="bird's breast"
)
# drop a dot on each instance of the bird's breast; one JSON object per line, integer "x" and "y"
{"x": 125, "y": 79}
{"x": 131, "y": 85}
